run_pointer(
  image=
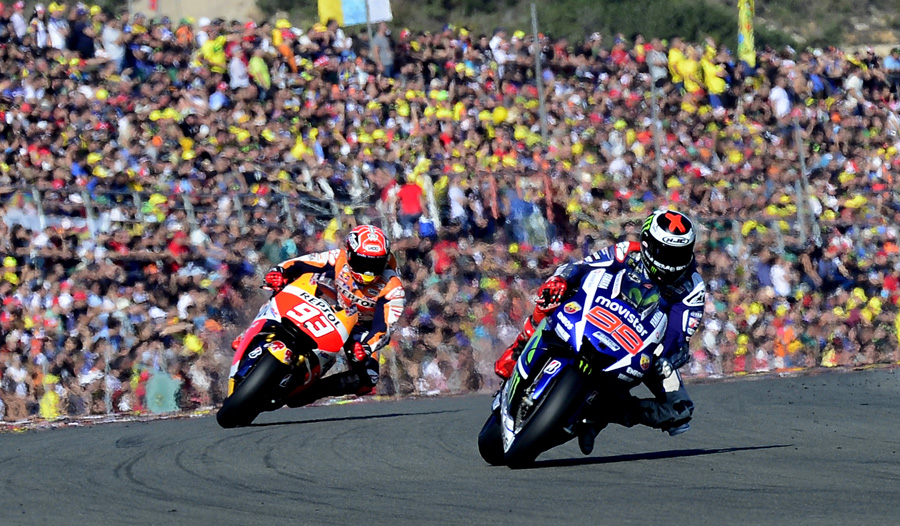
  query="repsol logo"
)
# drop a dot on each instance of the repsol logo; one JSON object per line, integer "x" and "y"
{"x": 357, "y": 300}
{"x": 624, "y": 313}
{"x": 322, "y": 305}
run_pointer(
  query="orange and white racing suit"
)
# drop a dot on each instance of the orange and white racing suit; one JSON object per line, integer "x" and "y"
{"x": 379, "y": 304}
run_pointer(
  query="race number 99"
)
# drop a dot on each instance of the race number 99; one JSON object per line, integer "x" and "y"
{"x": 623, "y": 334}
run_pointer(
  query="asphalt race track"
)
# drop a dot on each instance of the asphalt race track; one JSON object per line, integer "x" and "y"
{"x": 821, "y": 449}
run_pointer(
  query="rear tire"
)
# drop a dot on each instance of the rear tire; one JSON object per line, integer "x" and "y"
{"x": 544, "y": 429}
{"x": 490, "y": 440}
{"x": 249, "y": 398}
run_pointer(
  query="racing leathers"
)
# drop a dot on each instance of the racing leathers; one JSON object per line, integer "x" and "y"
{"x": 379, "y": 305}
{"x": 682, "y": 302}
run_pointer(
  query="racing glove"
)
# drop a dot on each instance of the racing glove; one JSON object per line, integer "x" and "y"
{"x": 551, "y": 293}
{"x": 361, "y": 351}
{"x": 664, "y": 367}
{"x": 275, "y": 279}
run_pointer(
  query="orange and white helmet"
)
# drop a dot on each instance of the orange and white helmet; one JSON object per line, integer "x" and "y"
{"x": 368, "y": 252}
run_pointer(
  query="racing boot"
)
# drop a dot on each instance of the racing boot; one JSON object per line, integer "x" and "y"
{"x": 675, "y": 430}
{"x": 588, "y": 434}
{"x": 504, "y": 365}
{"x": 652, "y": 413}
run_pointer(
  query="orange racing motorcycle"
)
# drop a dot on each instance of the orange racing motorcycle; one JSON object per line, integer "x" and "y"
{"x": 293, "y": 341}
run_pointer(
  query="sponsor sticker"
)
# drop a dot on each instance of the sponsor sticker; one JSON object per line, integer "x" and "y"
{"x": 645, "y": 362}
{"x": 566, "y": 323}
{"x": 353, "y": 240}
{"x": 607, "y": 341}
{"x": 672, "y": 240}
{"x": 693, "y": 321}
{"x": 552, "y": 367}
{"x": 572, "y": 307}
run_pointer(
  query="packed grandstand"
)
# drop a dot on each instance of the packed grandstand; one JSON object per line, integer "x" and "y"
{"x": 152, "y": 169}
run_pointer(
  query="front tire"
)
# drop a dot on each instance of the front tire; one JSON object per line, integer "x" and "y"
{"x": 249, "y": 398}
{"x": 490, "y": 440}
{"x": 544, "y": 428}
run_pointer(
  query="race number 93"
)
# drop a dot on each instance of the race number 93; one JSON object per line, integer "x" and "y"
{"x": 308, "y": 316}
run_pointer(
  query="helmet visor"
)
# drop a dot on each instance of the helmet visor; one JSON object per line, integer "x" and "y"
{"x": 666, "y": 261}
{"x": 367, "y": 266}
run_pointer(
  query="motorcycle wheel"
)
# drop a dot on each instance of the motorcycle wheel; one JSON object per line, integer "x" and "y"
{"x": 249, "y": 398}
{"x": 545, "y": 423}
{"x": 490, "y": 440}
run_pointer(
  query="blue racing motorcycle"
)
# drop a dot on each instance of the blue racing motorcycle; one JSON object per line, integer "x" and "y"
{"x": 583, "y": 359}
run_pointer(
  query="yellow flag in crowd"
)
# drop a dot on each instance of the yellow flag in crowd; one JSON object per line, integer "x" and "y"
{"x": 329, "y": 9}
{"x": 746, "y": 46}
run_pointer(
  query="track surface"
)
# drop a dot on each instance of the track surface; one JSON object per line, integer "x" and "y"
{"x": 816, "y": 450}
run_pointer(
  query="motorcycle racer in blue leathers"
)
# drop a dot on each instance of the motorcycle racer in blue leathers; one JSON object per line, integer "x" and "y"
{"x": 666, "y": 254}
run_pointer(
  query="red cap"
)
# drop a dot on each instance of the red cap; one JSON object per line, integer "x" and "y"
{"x": 79, "y": 296}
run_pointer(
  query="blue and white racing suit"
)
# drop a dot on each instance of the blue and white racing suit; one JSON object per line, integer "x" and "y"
{"x": 683, "y": 303}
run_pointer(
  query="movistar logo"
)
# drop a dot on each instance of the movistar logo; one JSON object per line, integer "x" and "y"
{"x": 625, "y": 313}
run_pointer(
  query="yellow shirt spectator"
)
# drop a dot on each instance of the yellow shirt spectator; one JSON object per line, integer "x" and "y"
{"x": 213, "y": 52}
{"x": 711, "y": 71}
{"x": 675, "y": 58}
{"x": 689, "y": 69}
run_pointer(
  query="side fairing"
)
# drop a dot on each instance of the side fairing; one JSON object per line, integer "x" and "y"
{"x": 596, "y": 317}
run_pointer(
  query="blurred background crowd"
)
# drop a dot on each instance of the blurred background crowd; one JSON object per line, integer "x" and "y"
{"x": 151, "y": 170}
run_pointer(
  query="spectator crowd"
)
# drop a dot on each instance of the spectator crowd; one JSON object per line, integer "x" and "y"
{"x": 151, "y": 169}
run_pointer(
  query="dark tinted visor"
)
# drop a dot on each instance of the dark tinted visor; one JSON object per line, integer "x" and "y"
{"x": 364, "y": 264}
